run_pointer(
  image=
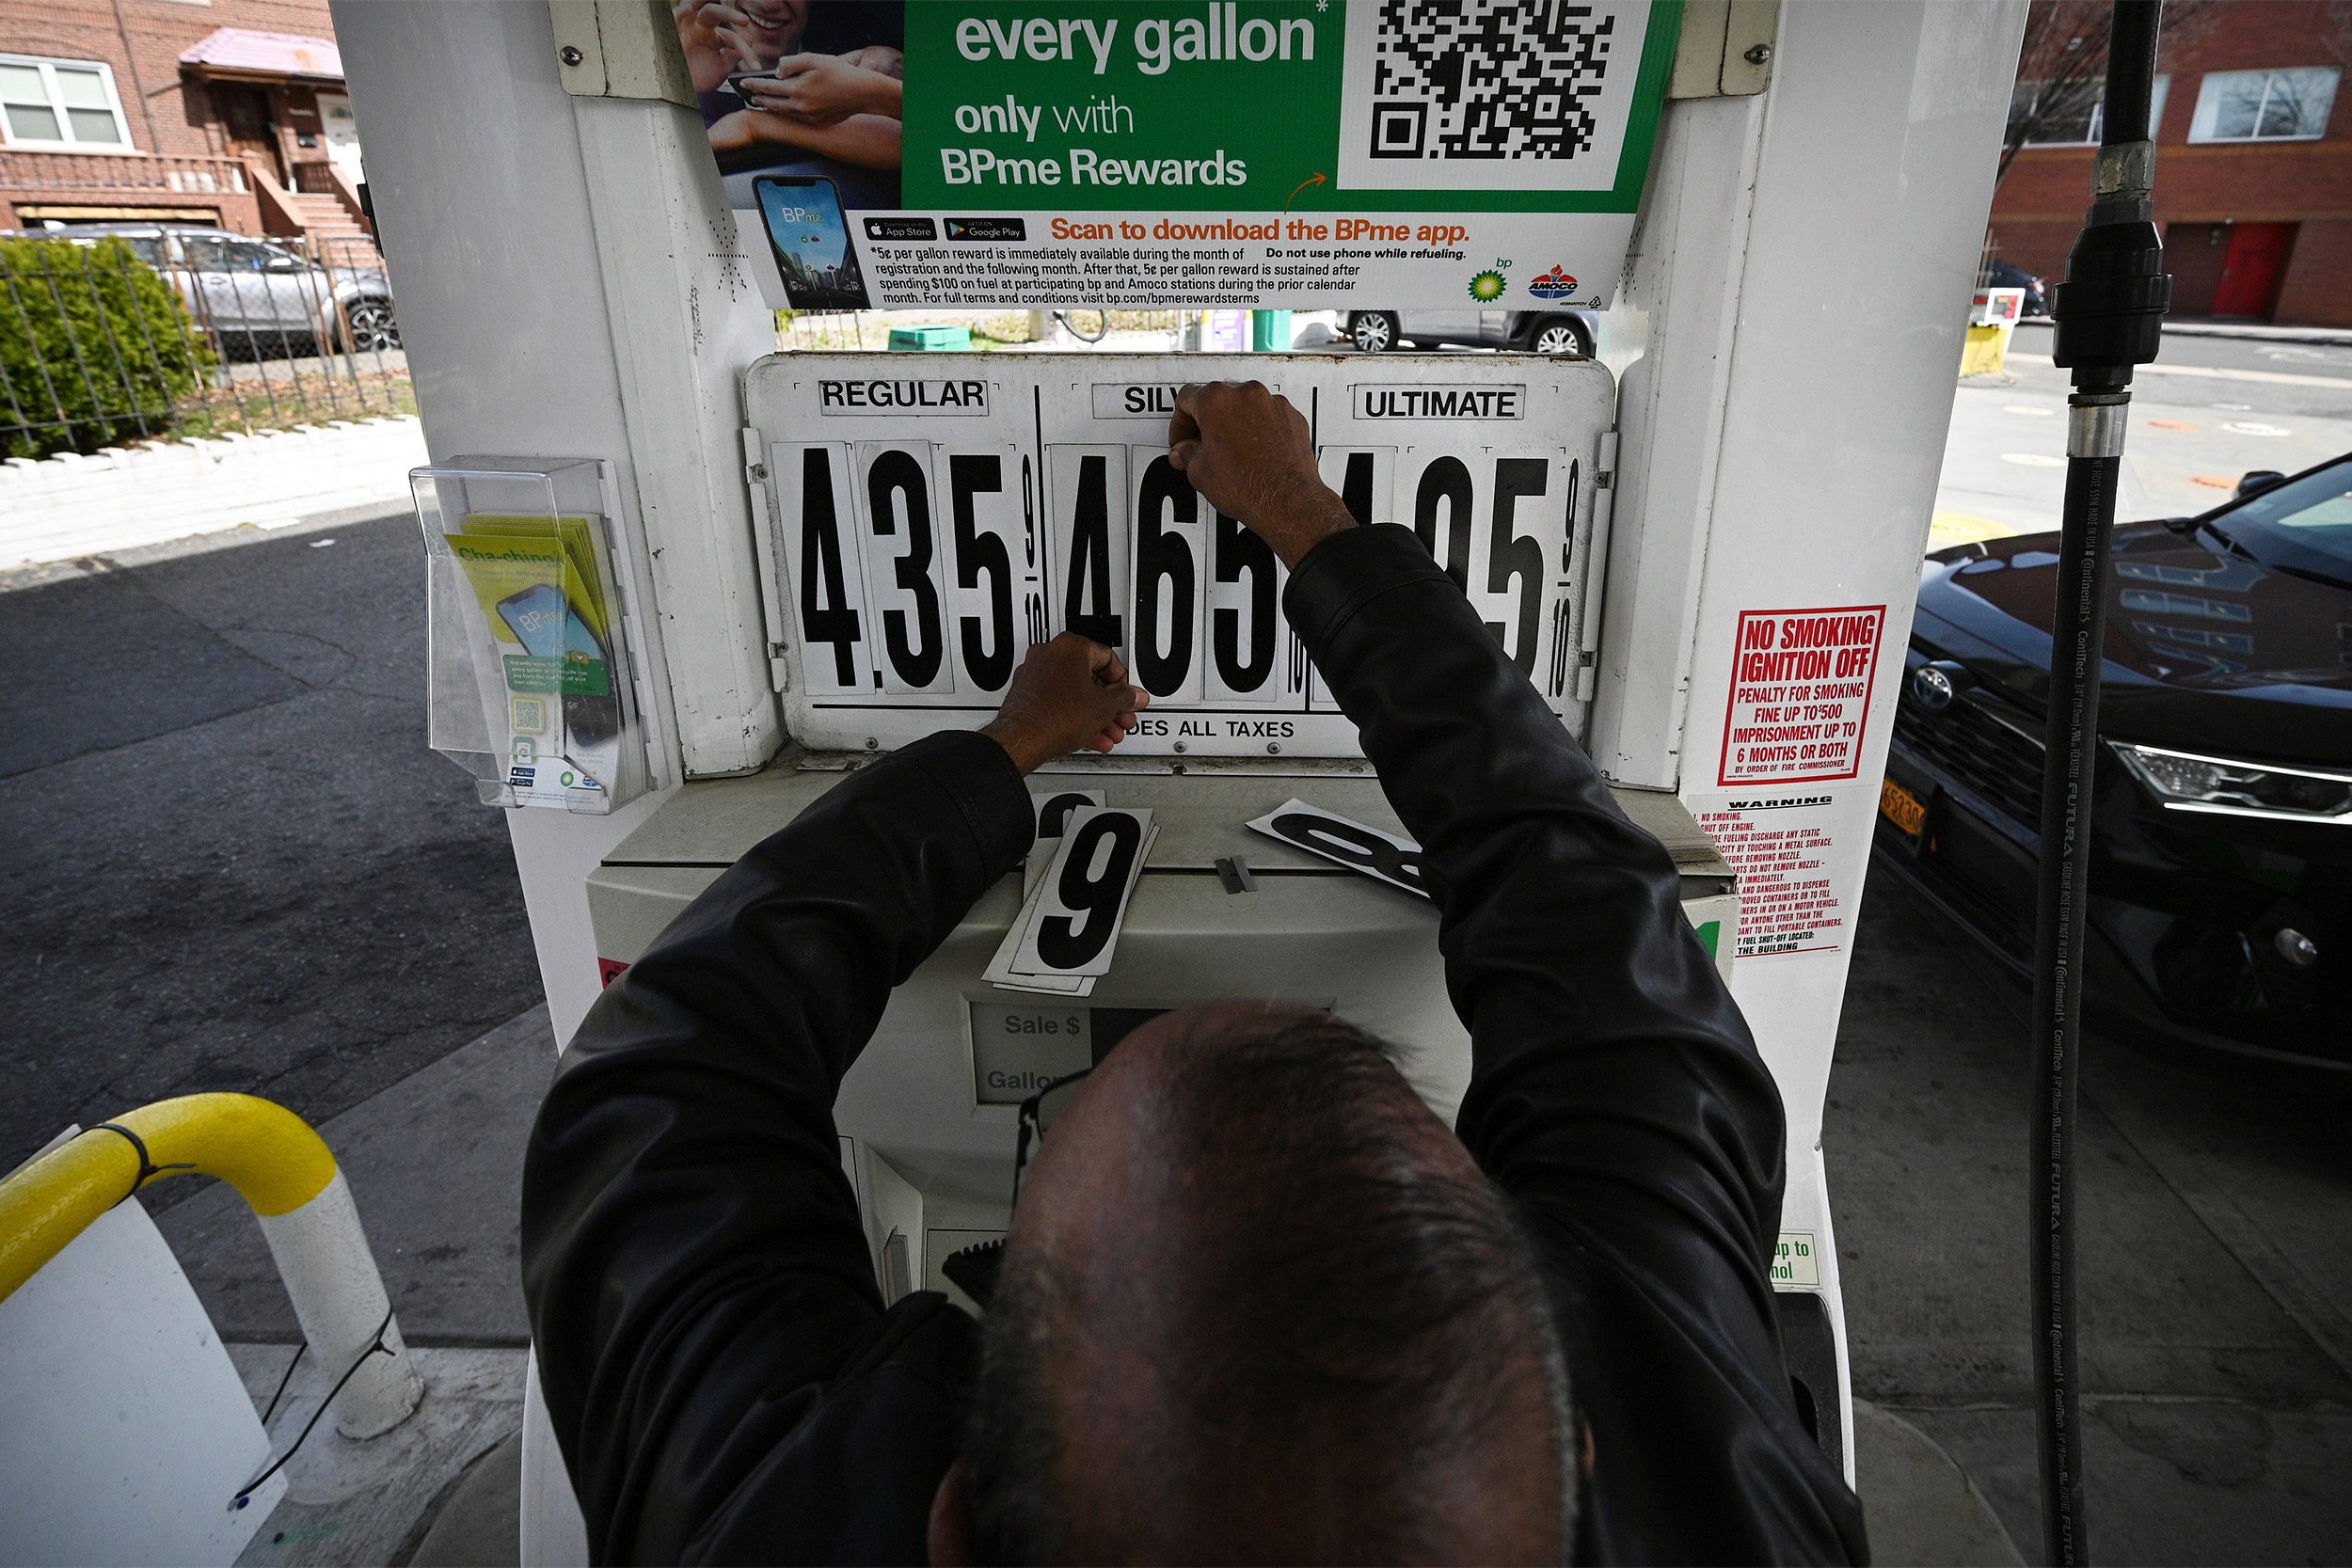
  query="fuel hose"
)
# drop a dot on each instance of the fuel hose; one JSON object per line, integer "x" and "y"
{"x": 2109, "y": 316}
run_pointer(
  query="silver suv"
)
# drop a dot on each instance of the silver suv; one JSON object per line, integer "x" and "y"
{"x": 260, "y": 298}
{"x": 1529, "y": 331}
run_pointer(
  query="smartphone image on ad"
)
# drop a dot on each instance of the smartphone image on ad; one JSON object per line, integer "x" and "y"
{"x": 811, "y": 238}
{"x": 547, "y": 628}
{"x": 742, "y": 74}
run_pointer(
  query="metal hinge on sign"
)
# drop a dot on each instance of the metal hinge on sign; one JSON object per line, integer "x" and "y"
{"x": 764, "y": 546}
{"x": 1597, "y": 568}
{"x": 1725, "y": 49}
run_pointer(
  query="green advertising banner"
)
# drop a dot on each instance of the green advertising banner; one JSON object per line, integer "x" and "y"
{"x": 1269, "y": 153}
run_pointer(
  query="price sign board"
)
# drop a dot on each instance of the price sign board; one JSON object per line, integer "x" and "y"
{"x": 932, "y": 515}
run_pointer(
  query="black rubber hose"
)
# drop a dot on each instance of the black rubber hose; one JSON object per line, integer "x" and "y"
{"x": 2109, "y": 315}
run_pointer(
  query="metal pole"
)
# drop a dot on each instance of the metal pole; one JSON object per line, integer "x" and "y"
{"x": 2109, "y": 315}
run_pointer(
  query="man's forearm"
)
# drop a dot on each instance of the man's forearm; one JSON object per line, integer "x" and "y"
{"x": 1598, "y": 1021}
{"x": 1304, "y": 517}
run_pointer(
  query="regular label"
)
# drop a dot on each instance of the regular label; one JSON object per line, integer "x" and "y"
{"x": 923, "y": 399}
{"x": 1801, "y": 685}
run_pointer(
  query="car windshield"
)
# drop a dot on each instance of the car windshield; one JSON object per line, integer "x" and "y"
{"x": 2305, "y": 524}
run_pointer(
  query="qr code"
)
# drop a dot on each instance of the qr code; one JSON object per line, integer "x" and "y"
{"x": 1460, "y": 80}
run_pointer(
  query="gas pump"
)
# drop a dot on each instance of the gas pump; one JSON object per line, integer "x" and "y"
{"x": 1700, "y": 545}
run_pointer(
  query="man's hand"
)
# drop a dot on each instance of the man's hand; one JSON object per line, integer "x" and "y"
{"x": 714, "y": 38}
{"x": 1249, "y": 452}
{"x": 1069, "y": 694}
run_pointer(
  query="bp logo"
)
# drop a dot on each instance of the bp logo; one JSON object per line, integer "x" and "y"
{"x": 1487, "y": 285}
{"x": 1555, "y": 284}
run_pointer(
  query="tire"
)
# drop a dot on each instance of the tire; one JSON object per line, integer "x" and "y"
{"x": 1559, "y": 334}
{"x": 369, "y": 326}
{"x": 1374, "y": 331}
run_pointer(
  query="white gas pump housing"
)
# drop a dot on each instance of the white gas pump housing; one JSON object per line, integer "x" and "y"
{"x": 925, "y": 517}
{"x": 1782, "y": 343}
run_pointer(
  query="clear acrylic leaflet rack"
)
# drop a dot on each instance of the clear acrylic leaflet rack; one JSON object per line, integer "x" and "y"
{"x": 536, "y": 684}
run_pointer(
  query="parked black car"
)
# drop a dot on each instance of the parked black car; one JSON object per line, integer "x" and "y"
{"x": 2221, "y": 837}
{"x": 2008, "y": 275}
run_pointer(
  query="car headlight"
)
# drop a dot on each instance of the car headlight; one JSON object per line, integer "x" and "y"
{"x": 2184, "y": 781}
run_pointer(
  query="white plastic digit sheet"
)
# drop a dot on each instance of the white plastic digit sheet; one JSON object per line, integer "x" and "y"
{"x": 1054, "y": 808}
{"x": 1068, "y": 929}
{"x": 1383, "y": 857}
{"x": 1081, "y": 901}
{"x": 916, "y": 560}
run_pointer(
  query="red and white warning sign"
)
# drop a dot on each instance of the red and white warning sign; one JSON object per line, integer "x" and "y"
{"x": 1788, "y": 887}
{"x": 1800, "y": 692}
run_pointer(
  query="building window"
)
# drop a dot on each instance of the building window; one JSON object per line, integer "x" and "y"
{"x": 60, "y": 103}
{"x": 2070, "y": 114}
{"x": 2265, "y": 105}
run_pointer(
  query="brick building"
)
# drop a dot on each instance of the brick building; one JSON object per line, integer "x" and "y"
{"x": 228, "y": 112}
{"x": 2253, "y": 168}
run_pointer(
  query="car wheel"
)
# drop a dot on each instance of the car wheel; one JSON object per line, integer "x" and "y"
{"x": 371, "y": 325}
{"x": 1375, "y": 331}
{"x": 1559, "y": 334}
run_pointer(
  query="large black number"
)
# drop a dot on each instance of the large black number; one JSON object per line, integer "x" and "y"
{"x": 1090, "y": 559}
{"x": 1239, "y": 550}
{"x": 826, "y": 613}
{"x": 1446, "y": 479}
{"x": 898, "y": 472}
{"x": 1052, "y": 815}
{"x": 1067, "y": 944}
{"x": 1355, "y": 487}
{"x": 1161, "y": 554}
{"x": 1353, "y": 846}
{"x": 1510, "y": 555}
{"x": 977, "y": 552}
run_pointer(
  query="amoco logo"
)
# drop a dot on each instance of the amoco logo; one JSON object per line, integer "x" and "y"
{"x": 1555, "y": 284}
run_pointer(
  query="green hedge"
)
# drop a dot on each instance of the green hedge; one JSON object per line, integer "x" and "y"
{"x": 95, "y": 348}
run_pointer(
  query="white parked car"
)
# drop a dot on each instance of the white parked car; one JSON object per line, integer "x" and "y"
{"x": 257, "y": 298}
{"x": 1529, "y": 331}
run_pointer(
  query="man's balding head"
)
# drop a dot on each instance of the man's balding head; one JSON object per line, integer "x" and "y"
{"x": 1259, "y": 1305}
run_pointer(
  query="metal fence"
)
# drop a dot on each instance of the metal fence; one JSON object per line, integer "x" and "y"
{"x": 193, "y": 334}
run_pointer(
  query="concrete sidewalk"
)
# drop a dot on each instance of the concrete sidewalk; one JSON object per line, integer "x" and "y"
{"x": 434, "y": 1162}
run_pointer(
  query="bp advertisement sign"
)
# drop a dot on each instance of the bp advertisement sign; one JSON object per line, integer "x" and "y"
{"x": 1287, "y": 154}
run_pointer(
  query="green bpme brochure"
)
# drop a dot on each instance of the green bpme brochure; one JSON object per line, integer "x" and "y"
{"x": 1294, "y": 155}
{"x": 545, "y": 604}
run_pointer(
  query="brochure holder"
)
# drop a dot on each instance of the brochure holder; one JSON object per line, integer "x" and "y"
{"x": 531, "y": 647}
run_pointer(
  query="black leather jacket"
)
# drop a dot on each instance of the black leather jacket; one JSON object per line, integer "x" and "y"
{"x": 720, "y": 1371}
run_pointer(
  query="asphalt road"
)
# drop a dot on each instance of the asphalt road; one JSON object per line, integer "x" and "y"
{"x": 2214, "y": 1263}
{"x": 2183, "y": 351}
{"x": 2192, "y": 432}
{"x": 228, "y": 858}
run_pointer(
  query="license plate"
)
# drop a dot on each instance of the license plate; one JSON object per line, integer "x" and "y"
{"x": 1902, "y": 807}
